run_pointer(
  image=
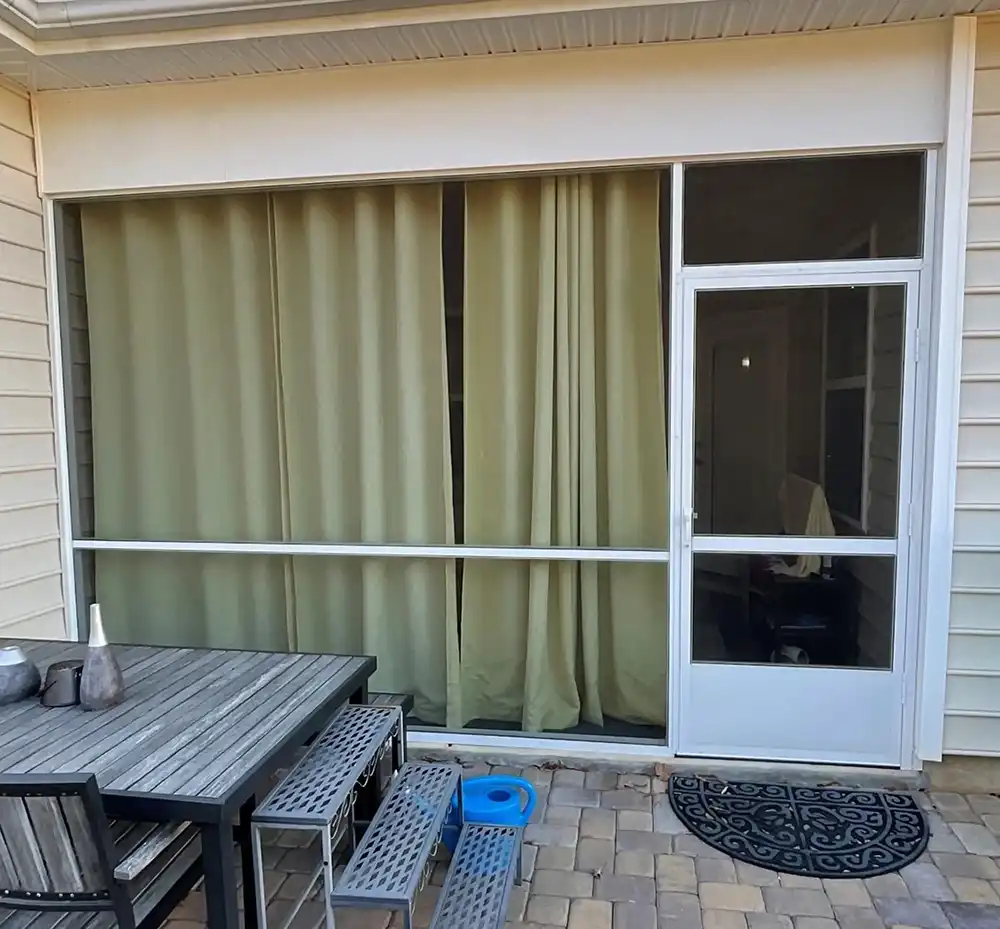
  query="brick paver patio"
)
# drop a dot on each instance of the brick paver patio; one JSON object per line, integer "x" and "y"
{"x": 605, "y": 851}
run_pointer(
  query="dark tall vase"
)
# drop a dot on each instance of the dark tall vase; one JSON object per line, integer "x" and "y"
{"x": 101, "y": 685}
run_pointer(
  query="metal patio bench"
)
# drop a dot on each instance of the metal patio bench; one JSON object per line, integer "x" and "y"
{"x": 392, "y": 861}
{"x": 60, "y": 854}
{"x": 483, "y": 870}
{"x": 321, "y": 791}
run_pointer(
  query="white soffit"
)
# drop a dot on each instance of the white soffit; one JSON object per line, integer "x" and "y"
{"x": 429, "y": 32}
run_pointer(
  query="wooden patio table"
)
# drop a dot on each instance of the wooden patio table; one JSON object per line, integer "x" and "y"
{"x": 199, "y": 736}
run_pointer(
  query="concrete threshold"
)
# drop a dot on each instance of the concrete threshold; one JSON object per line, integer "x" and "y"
{"x": 603, "y": 756}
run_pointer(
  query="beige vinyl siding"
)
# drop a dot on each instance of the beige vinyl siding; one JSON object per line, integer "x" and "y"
{"x": 31, "y": 599}
{"x": 972, "y": 706}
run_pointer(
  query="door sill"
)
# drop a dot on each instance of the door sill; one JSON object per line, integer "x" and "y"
{"x": 657, "y": 760}
{"x": 805, "y": 773}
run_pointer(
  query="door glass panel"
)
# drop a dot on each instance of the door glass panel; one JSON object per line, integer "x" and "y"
{"x": 804, "y": 209}
{"x": 817, "y": 610}
{"x": 797, "y": 411}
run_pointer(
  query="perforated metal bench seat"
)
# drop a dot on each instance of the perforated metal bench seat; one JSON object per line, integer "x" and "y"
{"x": 319, "y": 793}
{"x": 314, "y": 791}
{"x": 388, "y": 866}
{"x": 483, "y": 869}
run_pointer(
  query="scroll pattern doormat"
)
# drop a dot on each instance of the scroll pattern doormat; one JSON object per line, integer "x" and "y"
{"x": 812, "y": 831}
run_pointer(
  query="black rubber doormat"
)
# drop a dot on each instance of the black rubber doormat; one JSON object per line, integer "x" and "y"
{"x": 812, "y": 831}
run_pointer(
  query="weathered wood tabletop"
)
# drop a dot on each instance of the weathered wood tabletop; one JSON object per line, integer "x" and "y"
{"x": 199, "y": 733}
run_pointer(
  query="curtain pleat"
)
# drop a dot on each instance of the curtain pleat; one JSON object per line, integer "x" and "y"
{"x": 361, "y": 325}
{"x": 518, "y": 618}
{"x": 626, "y": 498}
{"x": 184, "y": 416}
{"x": 562, "y": 274}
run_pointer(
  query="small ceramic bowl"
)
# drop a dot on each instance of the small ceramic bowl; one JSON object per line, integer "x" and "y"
{"x": 19, "y": 677}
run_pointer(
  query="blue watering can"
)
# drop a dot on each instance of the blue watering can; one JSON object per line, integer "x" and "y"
{"x": 492, "y": 800}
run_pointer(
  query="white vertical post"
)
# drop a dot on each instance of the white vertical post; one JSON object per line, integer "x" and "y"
{"x": 676, "y": 388}
{"x": 945, "y": 366}
{"x": 53, "y": 289}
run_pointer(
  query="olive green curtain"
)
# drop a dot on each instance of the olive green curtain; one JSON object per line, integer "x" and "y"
{"x": 185, "y": 417}
{"x": 365, "y": 400}
{"x": 272, "y": 368}
{"x": 565, "y": 424}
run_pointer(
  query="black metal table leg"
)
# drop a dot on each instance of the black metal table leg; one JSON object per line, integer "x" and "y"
{"x": 246, "y": 859}
{"x": 360, "y": 696}
{"x": 219, "y": 857}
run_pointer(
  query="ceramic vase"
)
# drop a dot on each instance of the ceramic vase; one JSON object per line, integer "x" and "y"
{"x": 101, "y": 685}
{"x": 19, "y": 677}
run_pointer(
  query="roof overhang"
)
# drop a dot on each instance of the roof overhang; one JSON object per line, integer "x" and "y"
{"x": 66, "y": 44}
{"x": 62, "y": 19}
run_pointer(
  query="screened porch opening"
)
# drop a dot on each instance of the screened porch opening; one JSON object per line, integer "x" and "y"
{"x": 473, "y": 377}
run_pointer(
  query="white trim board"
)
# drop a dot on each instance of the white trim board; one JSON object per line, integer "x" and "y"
{"x": 55, "y": 273}
{"x": 947, "y": 296}
{"x": 639, "y": 105}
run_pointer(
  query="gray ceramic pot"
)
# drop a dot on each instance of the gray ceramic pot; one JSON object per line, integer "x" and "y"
{"x": 19, "y": 678}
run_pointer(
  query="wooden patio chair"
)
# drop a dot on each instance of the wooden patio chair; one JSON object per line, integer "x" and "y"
{"x": 60, "y": 855}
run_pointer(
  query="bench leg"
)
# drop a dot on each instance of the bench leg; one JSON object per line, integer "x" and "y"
{"x": 258, "y": 876}
{"x": 352, "y": 831}
{"x": 328, "y": 875}
{"x": 400, "y": 758}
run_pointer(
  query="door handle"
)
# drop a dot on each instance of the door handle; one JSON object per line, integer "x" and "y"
{"x": 689, "y": 517}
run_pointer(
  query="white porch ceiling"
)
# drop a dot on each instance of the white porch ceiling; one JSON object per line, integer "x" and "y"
{"x": 429, "y": 32}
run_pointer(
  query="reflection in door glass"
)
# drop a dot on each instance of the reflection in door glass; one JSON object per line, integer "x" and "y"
{"x": 797, "y": 411}
{"x": 830, "y": 611}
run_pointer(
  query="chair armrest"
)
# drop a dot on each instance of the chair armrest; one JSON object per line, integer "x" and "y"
{"x": 154, "y": 845}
